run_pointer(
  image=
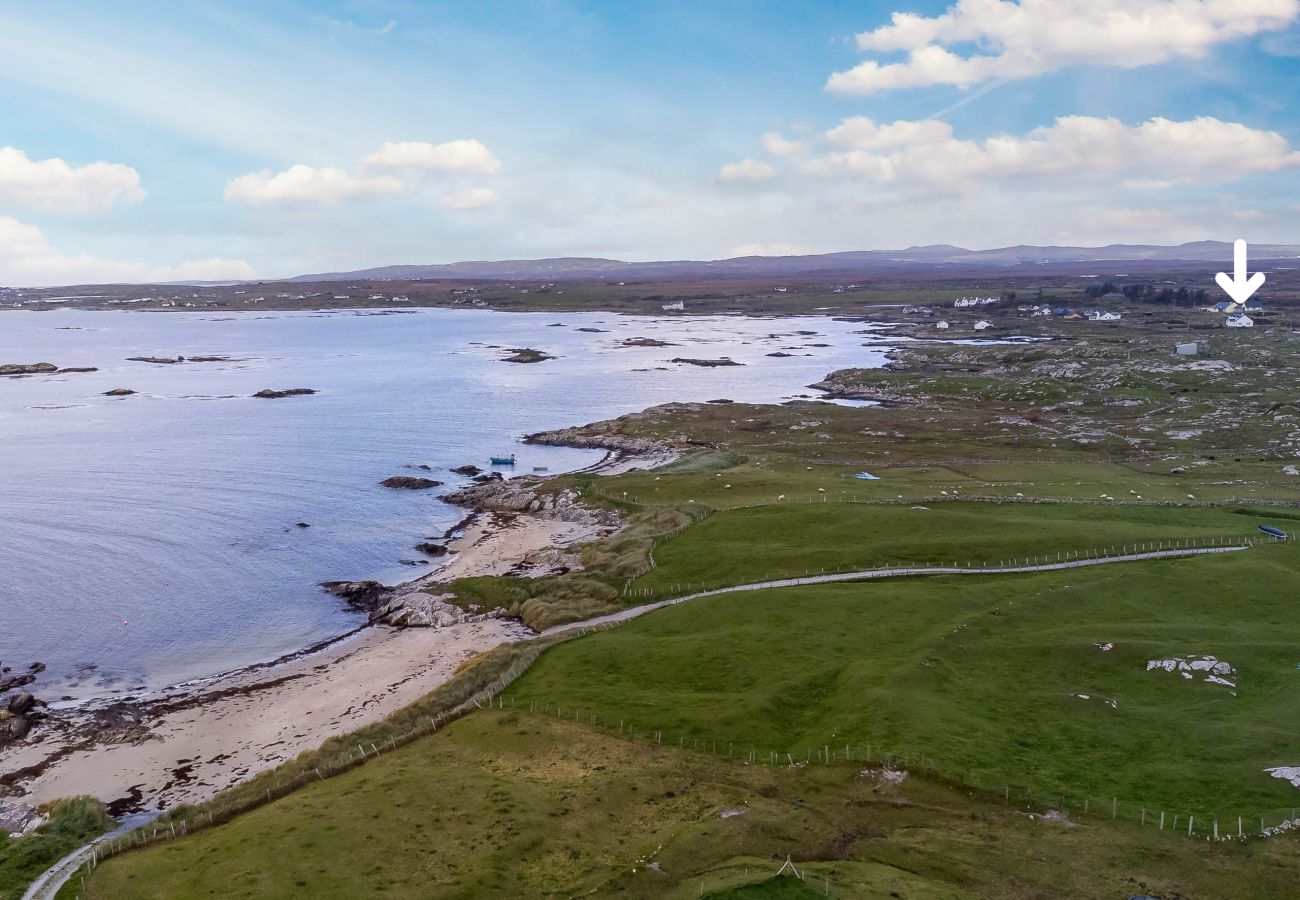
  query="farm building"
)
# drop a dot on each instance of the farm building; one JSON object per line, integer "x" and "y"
{"x": 982, "y": 325}
{"x": 941, "y": 325}
{"x": 1240, "y": 321}
{"x": 1186, "y": 349}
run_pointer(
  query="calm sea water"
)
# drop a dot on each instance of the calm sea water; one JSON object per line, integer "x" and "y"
{"x": 151, "y": 539}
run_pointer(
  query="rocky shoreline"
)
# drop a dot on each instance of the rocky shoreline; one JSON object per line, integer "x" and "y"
{"x": 513, "y": 527}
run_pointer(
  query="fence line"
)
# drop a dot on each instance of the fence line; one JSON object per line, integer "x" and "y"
{"x": 828, "y": 753}
{"x": 217, "y": 814}
{"x": 1061, "y": 559}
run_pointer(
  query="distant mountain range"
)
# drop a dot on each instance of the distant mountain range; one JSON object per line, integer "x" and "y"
{"x": 937, "y": 256}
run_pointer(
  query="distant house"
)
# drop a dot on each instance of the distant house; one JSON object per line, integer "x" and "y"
{"x": 1187, "y": 349}
{"x": 401, "y": 298}
{"x": 1097, "y": 316}
{"x": 1113, "y": 295}
{"x": 1074, "y": 317}
{"x": 675, "y": 306}
{"x": 967, "y": 302}
{"x": 1253, "y": 305}
{"x": 1240, "y": 321}
{"x": 1224, "y": 306}
{"x": 942, "y": 325}
{"x": 780, "y": 290}
{"x": 982, "y": 324}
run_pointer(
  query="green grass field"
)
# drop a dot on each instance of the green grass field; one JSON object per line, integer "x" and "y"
{"x": 980, "y": 676}
{"x": 780, "y": 540}
{"x": 509, "y": 804}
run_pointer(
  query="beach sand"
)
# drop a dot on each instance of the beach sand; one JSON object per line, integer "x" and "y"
{"x": 205, "y": 738}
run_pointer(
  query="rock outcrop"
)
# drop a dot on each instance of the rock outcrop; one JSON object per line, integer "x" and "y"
{"x": 419, "y": 609}
{"x": 522, "y": 496}
{"x": 19, "y": 707}
{"x": 41, "y": 368}
{"x": 706, "y": 363}
{"x": 409, "y": 483}
{"x": 269, "y": 394}
{"x": 119, "y": 392}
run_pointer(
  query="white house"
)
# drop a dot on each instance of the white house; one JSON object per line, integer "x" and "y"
{"x": 1097, "y": 316}
{"x": 1241, "y": 321}
{"x": 982, "y": 324}
{"x": 1187, "y": 349}
{"x": 675, "y": 306}
{"x": 941, "y": 325}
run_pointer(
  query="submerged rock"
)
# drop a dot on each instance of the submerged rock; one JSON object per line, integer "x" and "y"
{"x": 119, "y": 392}
{"x": 431, "y": 549}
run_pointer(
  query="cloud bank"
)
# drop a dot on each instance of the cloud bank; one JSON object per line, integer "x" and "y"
{"x": 978, "y": 41}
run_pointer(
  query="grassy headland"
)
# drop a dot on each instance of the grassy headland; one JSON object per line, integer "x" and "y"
{"x": 689, "y": 752}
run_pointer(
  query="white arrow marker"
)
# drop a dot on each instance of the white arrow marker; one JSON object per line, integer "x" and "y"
{"x": 1239, "y": 287}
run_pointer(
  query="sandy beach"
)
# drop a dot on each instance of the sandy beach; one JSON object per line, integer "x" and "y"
{"x": 192, "y": 742}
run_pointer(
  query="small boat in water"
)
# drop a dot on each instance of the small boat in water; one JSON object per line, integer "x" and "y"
{"x": 1273, "y": 532}
{"x": 503, "y": 460}
{"x": 540, "y": 469}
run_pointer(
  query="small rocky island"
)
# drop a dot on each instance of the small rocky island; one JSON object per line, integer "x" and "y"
{"x": 40, "y": 368}
{"x": 527, "y": 355}
{"x": 707, "y": 363}
{"x": 119, "y": 392}
{"x": 269, "y": 394}
{"x": 409, "y": 483}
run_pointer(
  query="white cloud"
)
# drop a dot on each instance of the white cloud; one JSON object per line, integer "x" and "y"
{"x": 28, "y": 258}
{"x": 474, "y": 198}
{"x": 747, "y": 170}
{"x": 776, "y": 145}
{"x": 53, "y": 185}
{"x": 769, "y": 248}
{"x": 1128, "y": 222}
{"x": 301, "y": 185}
{"x": 1104, "y": 152}
{"x": 1030, "y": 37}
{"x": 467, "y": 156}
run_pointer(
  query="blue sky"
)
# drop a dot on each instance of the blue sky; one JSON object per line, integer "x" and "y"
{"x": 155, "y": 141}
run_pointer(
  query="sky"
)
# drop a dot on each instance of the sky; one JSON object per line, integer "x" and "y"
{"x": 150, "y": 141}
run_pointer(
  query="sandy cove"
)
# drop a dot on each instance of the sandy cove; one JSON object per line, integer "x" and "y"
{"x": 202, "y": 740}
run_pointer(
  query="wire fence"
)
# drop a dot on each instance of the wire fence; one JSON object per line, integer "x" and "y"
{"x": 1042, "y": 562}
{"x": 1196, "y": 823}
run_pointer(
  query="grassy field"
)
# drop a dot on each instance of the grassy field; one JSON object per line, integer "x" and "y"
{"x": 509, "y": 804}
{"x": 753, "y": 544}
{"x": 981, "y": 676}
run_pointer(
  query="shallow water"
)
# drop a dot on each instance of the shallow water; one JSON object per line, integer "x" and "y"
{"x": 151, "y": 539}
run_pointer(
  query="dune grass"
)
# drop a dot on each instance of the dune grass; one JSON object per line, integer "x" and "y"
{"x": 72, "y": 823}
